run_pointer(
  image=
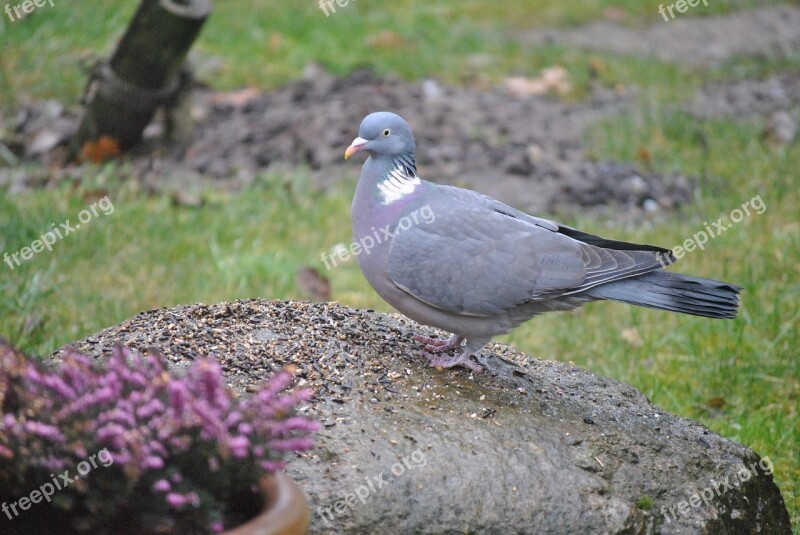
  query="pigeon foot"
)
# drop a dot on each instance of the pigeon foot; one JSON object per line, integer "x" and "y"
{"x": 434, "y": 345}
{"x": 442, "y": 361}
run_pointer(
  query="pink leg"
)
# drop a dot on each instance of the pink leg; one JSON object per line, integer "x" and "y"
{"x": 442, "y": 361}
{"x": 434, "y": 345}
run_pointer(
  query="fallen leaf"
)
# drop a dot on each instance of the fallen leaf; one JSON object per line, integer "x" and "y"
{"x": 632, "y": 336}
{"x": 237, "y": 98}
{"x": 100, "y": 149}
{"x": 93, "y": 195}
{"x": 596, "y": 66}
{"x": 186, "y": 199}
{"x": 387, "y": 39}
{"x": 554, "y": 79}
{"x": 275, "y": 41}
{"x": 313, "y": 285}
{"x": 644, "y": 155}
{"x": 616, "y": 14}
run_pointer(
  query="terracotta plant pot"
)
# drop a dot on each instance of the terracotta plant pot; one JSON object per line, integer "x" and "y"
{"x": 285, "y": 509}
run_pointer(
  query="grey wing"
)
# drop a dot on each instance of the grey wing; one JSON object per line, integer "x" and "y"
{"x": 478, "y": 261}
{"x": 461, "y": 195}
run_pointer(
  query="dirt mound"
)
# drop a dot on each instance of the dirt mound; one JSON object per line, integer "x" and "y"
{"x": 748, "y": 99}
{"x": 525, "y": 150}
{"x": 689, "y": 40}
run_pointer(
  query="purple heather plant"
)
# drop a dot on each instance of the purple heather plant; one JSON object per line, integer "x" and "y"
{"x": 183, "y": 453}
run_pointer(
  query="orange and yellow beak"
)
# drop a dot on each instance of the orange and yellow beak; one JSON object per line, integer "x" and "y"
{"x": 357, "y": 144}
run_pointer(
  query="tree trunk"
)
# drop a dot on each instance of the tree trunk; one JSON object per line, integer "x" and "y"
{"x": 144, "y": 72}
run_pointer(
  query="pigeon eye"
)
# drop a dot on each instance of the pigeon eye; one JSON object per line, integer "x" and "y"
{"x": 386, "y": 132}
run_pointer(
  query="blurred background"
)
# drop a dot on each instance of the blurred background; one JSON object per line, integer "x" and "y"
{"x": 611, "y": 116}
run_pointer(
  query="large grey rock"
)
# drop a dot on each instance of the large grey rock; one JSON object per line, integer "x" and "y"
{"x": 530, "y": 447}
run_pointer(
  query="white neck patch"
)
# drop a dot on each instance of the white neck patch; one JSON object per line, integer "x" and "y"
{"x": 397, "y": 184}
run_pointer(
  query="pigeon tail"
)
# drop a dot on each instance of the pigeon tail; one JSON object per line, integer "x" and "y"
{"x": 675, "y": 292}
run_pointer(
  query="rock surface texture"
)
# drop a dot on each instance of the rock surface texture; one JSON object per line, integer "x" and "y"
{"x": 530, "y": 446}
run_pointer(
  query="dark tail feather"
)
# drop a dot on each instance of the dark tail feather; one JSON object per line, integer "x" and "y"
{"x": 674, "y": 292}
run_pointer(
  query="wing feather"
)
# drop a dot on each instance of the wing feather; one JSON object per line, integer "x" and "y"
{"x": 480, "y": 257}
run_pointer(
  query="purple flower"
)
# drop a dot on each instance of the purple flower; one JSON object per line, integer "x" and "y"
{"x": 154, "y": 425}
{"x": 176, "y": 500}
{"x": 117, "y": 414}
{"x": 178, "y": 394}
{"x": 181, "y": 443}
{"x": 112, "y": 433}
{"x": 50, "y": 382}
{"x": 5, "y": 452}
{"x": 239, "y": 446}
{"x": 150, "y": 408}
{"x": 9, "y": 421}
{"x": 153, "y": 462}
{"x": 272, "y": 466}
{"x": 79, "y": 450}
{"x": 44, "y": 430}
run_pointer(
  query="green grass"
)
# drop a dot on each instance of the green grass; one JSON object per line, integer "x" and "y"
{"x": 267, "y": 43}
{"x": 147, "y": 253}
{"x": 740, "y": 378}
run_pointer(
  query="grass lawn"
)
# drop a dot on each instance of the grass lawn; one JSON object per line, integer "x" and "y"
{"x": 740, "y": 378}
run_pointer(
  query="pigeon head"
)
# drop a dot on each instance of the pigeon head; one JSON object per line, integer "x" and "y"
{"x": 383, "y": 134}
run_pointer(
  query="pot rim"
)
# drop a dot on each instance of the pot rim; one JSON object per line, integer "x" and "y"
{"x": 285, "y": 509}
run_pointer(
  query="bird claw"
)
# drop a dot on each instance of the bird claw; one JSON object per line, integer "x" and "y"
{"x": 434, "y": 345}
{"x": 442, "y": 361}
